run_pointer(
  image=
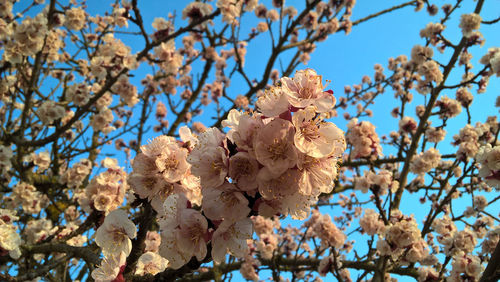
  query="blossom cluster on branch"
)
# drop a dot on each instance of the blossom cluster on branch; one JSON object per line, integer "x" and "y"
{"x": 277, "y": 160}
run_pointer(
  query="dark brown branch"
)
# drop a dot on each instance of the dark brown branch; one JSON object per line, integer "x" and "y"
{"x": 492, "y": 21}
{"x": 138, "y": 245}
{"x": 192, "y": 99}
{"x": 84, "y": 253}
{"x": 383, "y": 12}
{"x": 492, "y": 272}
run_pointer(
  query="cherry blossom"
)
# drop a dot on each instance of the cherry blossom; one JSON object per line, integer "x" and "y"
{"x": 151, "y": 263}
{"x": 274, "y": 146}
{"x": 183, "y": 232}
{"x": 306, "y": 88}
{"x": 316, "y": 138}
{"x": 231, "y": 237}
{"x": 111, "y": 268}
{"x": 114, "y": 235}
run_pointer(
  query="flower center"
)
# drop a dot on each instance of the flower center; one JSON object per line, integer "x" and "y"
{"x": 309, "y": 130}
{"x": 150, "y": 268}
{"x": 228, "y": 198}
{"x": 243, "y": 168}
{"x": 119, "y": 235}
{"x": 306, "y": 93}
{"x": 166, "y": 190}
{"x": 171, "y": 163}
{"x": 278, "y": 149}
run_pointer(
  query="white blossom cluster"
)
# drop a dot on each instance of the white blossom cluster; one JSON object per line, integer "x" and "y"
{"x": 471, "y": 138}
{"x": 286, "y": 146}
{"x": 424, "y": 162}
{"x": 379, "y": 182}
{"x": 26, "y": 196}
{"x": 492, "y": 58}
{"x": 161, "y": 169}
{"x": 114, "y": 237}
{"x": 401, "y": 240}
{"x": 9, "y": 236}
{"x": 322, "y": 227}
{"x": 5, "y": 156}
{"x": 106, "y": 191}
{"x": 365, "y": 140}
{"x": 489, "y": 158}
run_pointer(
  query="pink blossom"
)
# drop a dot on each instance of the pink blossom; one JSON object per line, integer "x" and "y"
{"x": 243, "y": 171}
{"x": 111, "y": 267}
{"x": 183, "y": 232}
{"x": 371, "y": 223}
{"x": 316, "y": 175}
{"x": 306, "y": 89}
{"x": 208, "y": 159}
{"x": 151, "y": 263}
{"x": 274, "y": 147}
{"x": 273, "y": 102}
{"x": 365, "y": 140}
{"x": 114, "y": 235}
{"x": 231, "y": 237}
{"x": 225, "y": 202}
{"x": 316, "y": 138}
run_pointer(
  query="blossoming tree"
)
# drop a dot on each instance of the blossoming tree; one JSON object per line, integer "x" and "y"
{"x": 86, "y": 197}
